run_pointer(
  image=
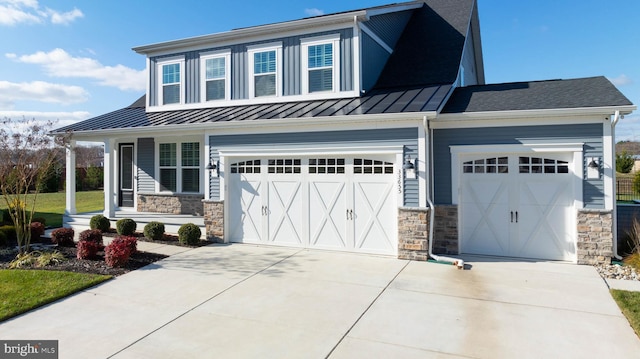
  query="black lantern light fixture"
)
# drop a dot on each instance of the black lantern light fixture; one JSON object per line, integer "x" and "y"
{"x": 408, "y": 165}
{"x": 213, "y": 167}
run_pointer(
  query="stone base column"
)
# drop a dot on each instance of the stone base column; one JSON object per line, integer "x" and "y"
{"x": 214, "y": 220}
{"x": 595, "y": 236}
{"x": 445, "y": 232}
{"x": 413, "y": 233}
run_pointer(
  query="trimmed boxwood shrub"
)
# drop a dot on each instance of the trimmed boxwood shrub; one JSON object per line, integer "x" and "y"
{"x": 126, "y": 226}
{"x": 87, "y": 249}
{"x": 37, "y": 230}
{"x": 154, "y": 230}
{"x": 3, "y": 240}
{"x": 100, "y": 222}
{"x": 10, "y": 232}
{"x": 63, "y": 236}
{"x": 117, "y": 253}
{"x": 130, "y": 241}
{"x": 91, "y": 235}
{"x": 189, "y": 233}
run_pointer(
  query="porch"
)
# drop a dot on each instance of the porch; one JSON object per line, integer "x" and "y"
{"x": 172, "y": 222}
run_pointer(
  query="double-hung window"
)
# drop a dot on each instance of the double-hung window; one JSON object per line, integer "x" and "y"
{"x": 179, "y": 167}
{"x": 265, "y": 78}
{"x": 320, "y": 64}
{"x": 171, "y": 82}
{"x": 215, "y": 76}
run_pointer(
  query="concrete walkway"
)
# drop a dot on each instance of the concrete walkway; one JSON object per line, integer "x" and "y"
{"x": 244, "y": 301}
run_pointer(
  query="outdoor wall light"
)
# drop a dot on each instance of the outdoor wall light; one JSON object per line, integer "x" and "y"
{"x": 409, "y": 167}
{"x": 593, "y": 168}
{"x": 213, "y": 167}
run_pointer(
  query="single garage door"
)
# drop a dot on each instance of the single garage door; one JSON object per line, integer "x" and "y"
{"x": 341, "y": 203}
{"x": 518, "y": 205}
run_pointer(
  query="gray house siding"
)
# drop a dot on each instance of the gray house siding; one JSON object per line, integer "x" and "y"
{"x": 290, "y": 67}
{"x": 590, "y": 135}
{"x": 146, "y": 165}
{"x": 407, "y": 137}
{"x": 389, "y": 27}
{"x": 376, "y": 57}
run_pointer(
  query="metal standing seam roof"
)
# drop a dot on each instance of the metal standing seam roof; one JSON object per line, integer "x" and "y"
{"x": 424, "y": 99}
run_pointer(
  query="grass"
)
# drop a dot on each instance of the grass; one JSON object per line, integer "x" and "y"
{"x": 629, "y": 303}
{"x": 24, "y": 290}
{"x": 50, "y": 206}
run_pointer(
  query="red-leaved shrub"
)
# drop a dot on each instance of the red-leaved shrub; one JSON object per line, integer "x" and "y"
{"x": 91, "y": 235}
{"x": 63, "y": 236}
{"x": 117, "y": 253}
{"x": 37, "y": 230}
{"x": 130, "y": 241}
{"x": 87, "y": 249}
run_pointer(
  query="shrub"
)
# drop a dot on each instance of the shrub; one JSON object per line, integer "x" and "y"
{"x": 189, "y": 233}
{"x": 91, "y": 235}
{"x": 3, "y": 240}
{"x": 154, "y": 230}
{"x": 634, "y": 245}
{"x": 63, "y": 236}
{"x": 117, "y": 253}
{"x": 624, "y": 162}
{"x": 5, "y": 217}
{"x": 10, "y": 232}
{"x": 100, "y": 222}
{"x": 130, "y": 241}
{"x": 37, "y": 230}
{"x": 24, "y": 260}
{"x": 40, "y": 219}
{"x": 87, "y": 249}
{"x": 126, "y": 226}
{"x": 49, "y": 258}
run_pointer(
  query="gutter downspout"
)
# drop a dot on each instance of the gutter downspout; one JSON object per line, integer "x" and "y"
{"x": 614, "y": 210}
{"x": 432, "y": 209}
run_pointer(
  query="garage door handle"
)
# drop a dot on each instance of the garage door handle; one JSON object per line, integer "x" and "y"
{"x": 511, "y": 216}
{"x": 516, "y": 216}
{"x": 349, "y": 214}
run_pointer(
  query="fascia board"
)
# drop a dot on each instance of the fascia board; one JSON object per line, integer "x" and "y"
{"x": 558, "y": 112}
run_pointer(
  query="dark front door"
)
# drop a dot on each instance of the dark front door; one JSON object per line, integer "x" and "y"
{"x": 125, "y": 195}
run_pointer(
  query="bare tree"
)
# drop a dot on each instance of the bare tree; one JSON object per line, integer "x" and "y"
{"x": 26, "y": 153}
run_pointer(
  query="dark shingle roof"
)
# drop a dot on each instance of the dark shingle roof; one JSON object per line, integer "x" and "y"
{"x": 424, "y": 99}
{"x": 430, "y": 48}
{"x": 537, "y": 95}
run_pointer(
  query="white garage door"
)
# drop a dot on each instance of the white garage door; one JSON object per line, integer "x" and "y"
{"x": 518, "y": 205}
{"x": 342, "y": 203}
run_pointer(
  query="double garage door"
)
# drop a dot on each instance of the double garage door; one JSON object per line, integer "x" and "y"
{"x": 518, "y": 205}
{"x": 341, "y": 203}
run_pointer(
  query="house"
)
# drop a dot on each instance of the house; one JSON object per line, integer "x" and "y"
{"x": 367, "y": 131}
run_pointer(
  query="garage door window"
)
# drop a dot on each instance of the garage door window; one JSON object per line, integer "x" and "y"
{"x": 487, "y": 165}
{"x": 326, "y": 165}
{"x": 288, "y": 165}
{"x": 246, "y": 167}
{"x": 542, "y": 165}
{"x": 366, "y": 166}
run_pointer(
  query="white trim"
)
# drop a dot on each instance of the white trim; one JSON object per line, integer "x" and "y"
{"x": 608, "y": 165}
{"x": 178, "y": 141}
{"x": 516, "y": 114}
{"x": 206, "y": 176}
{"x": 421, "y": 163}
{"x": 226, "y": 55}
{"x": 245, "y": 151}
{"x": 160, "y": 86}
{"x": 305, "y": 43}
{"x": 513, "y": 122}
{"x": 109, "y": 177}
{"x": 357, "y": 55}
{"x": 376, "y": 38}
{"x": 457, "y": 151}
{"x": 70, "y": 176}
{"x": 148, "y": 86}
{"x": 251, "y": 50}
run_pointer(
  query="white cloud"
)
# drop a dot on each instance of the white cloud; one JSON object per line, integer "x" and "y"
{"x": 13, "y": 12}
{"x": 313, "y": 11}
{"x": 59, "y": 63}
{"x": 61, "y": 119}
{"x": 10, "y": 92}
{"x": 628, "y": 129}
{"x": 621, "y": 80}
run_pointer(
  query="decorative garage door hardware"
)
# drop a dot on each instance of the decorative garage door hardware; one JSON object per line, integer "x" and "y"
{"x": 512, "y": 216}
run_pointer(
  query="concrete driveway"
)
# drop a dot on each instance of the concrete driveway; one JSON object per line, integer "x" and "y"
{"x": 244, "y": 301}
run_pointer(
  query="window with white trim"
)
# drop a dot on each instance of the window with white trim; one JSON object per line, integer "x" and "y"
{"x": 320, "y": 64}
{"x": 215, "y": 76}
{"x": 265, "y": 78}
{"x": 170, "y": 82}
{"x": 179, "y": 171}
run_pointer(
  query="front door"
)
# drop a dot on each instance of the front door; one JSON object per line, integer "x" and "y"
{"x": 125, "y": 186}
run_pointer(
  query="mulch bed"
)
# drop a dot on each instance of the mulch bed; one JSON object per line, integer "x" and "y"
{"x": 169, "y": 239}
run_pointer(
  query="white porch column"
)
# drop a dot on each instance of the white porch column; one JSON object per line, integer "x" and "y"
{"x": 109, "y": 180}
{"x": 70, "y": 193}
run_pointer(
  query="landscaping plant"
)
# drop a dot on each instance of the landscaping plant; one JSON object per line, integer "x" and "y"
{"x": 37, "y": 230}
{"x": 100, "y": 222}
{"x": 26, "y": 153}
{"x": 117, "y": 253}
{"x": 189, "y": 233}
{"x": 633, "y": 241}
{"x": 126, "y": 226}
{"x": 63, "y": 236}
{"x": 154, "y": 230}
{"x": 129, "y": 241}
{"x": 90, "y": 242}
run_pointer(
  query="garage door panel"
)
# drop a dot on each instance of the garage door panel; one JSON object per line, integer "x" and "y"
{"x": 373, "y": 206}
{"x": 327, "y": 214}
{"x": 486, "y": 230}
{"x": 245, "y": 209}
{"x": 285, "y": 212}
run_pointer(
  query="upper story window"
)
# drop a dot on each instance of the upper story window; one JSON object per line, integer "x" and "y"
{"x": 215, "y": 76}
{"x": 171, "y": 82}
{"x": 265, "y": 78}
{"x": 320, "y": 64}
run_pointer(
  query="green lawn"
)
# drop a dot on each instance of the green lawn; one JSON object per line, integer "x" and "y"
{"x": 51, "y": 205}
{"x": 629, "y": 303}
{"x": 23, "y": 290}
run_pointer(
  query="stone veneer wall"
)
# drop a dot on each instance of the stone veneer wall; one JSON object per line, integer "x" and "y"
{"x": 445, "y": 232}
{"x": 413, "y": 233}
{"x": 214, "y": 220}
{"x": 170, "y": 203}
{"x": 595, "y": 236}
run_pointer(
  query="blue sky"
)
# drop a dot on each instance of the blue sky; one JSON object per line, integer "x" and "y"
{"x": 71, "y": 60}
